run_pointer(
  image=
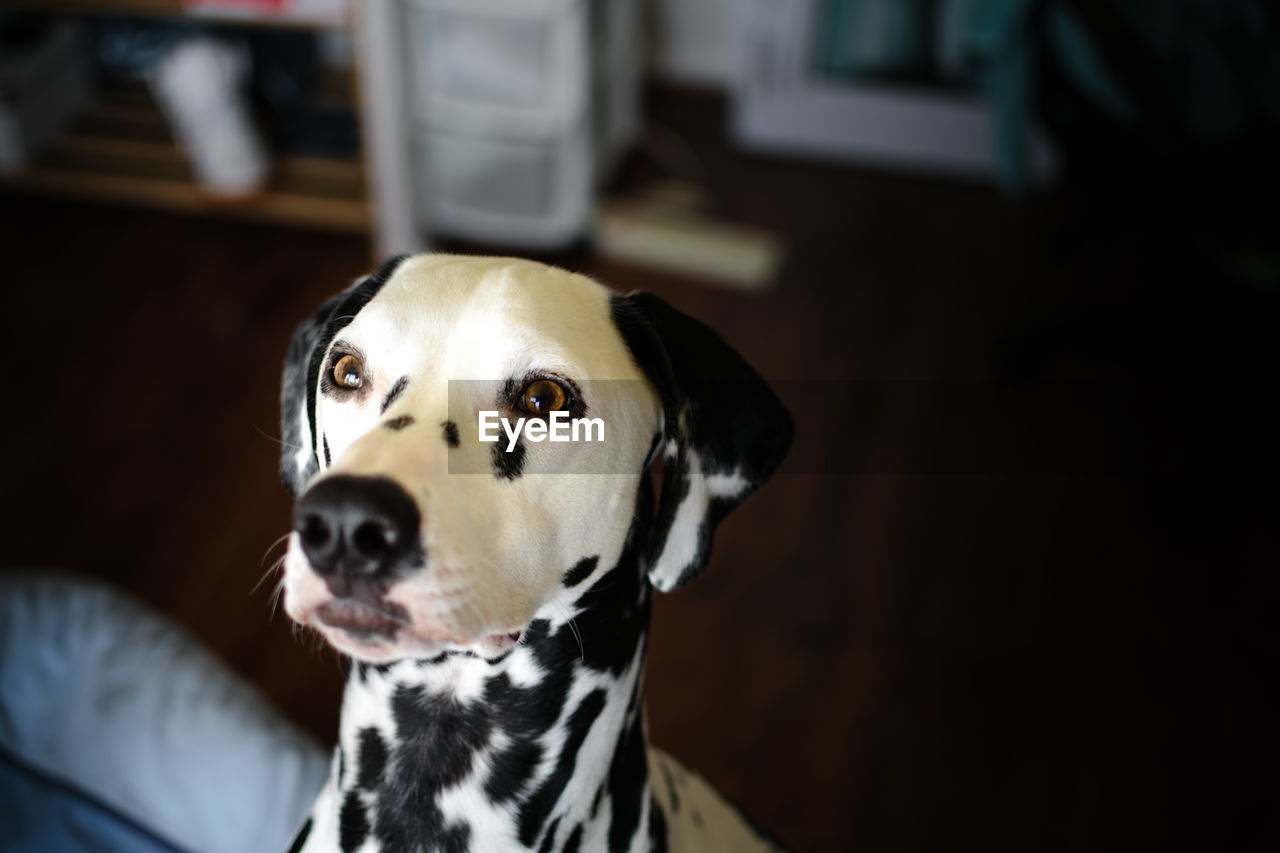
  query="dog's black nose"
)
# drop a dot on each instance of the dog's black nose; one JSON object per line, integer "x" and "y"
{"x": 357, "y": 528}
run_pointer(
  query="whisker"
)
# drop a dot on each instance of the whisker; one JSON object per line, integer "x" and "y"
{"x": 577, "y": 635}
{"x": 273, "y": 567}
{"x": 280, "y": 441}
{"x": 272, "y": 545}
{"x": 276, "y": 595}
{"x": 573, "y": 627}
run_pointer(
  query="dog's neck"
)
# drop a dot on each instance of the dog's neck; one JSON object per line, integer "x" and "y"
{"x": 544, "y": 746}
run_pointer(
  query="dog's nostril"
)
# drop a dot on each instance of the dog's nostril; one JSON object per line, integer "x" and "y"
{"x": 353, "y": 526}
{"x": 315, "y": 531}
{"x": 373, "y": 539}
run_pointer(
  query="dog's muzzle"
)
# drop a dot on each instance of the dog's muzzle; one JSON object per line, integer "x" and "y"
{"x": 358, "y": 533}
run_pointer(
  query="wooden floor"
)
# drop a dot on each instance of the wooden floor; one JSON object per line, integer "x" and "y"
{"x": 1005, "y": 593}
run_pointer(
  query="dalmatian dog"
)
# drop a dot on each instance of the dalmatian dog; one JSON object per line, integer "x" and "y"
{"x": 494, "y": 596}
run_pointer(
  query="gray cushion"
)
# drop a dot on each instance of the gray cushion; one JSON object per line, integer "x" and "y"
{"x": 113, "y": 701}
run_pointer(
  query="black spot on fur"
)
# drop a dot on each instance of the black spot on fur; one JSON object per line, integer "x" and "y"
{"x": 574, "y": 841}
{"x": 653, "y": 447}
{"x": 328, "y": 460}
{"x": 371, "y": 758}
{"x": 525, "y": 714}
{"x": 581, "y": 571}
{"x": 447, "y": 732}
{"x": 450, "y": 433}
{"x": 508, "y": 465}
{"x": 657, "y": 829}
{"x": 511, "y": 769}
{"x": 550, "y": 840}
{"x": 671, "y": 788}
{"x": 397, "y": 424}
{"x": 538, "y": 630}
{"x": 353, "y": 823}
{"x": 363, "y": 670}
{"x": 438, "y": 739}
{"x": 300, "y": 837}
{"x": 455, "y": 839}
{"x": 676, "y": 484}
{"x": 628, "y": 773}
{"x": 394, "y": 394}
{"x": 536, "y": 809}
{"x": 296, "y": 468}
{"x": 635, "y": 698}
{"x": 528, "y": 712}
{"x": 614, "y": 612}
{"x": 595, "y": 803}
{"x": 342, "y": 766}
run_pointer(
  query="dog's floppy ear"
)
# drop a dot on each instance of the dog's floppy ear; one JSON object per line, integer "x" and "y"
{"x": 298, "y": 459}
{"x": 300, "y": 456}
{"x": 724, "y": 430}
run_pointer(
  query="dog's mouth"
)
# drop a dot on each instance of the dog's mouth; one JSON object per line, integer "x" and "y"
{"x": 373, "y": 626}
{"x": 361, "y": 621}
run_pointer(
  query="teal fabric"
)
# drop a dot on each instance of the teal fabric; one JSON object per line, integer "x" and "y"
{"x": 1079, "y": 57}
{"x": 875, "y": 39}
{"x": 1196, "y": 73}
{"x": 1003, "y": 53}
{"x": 1201, "y": 73}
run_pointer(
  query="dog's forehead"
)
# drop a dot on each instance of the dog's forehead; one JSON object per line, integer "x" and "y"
{"x": 480, "y": 317}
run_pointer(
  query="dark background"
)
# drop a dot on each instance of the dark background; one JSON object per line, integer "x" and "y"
{"x": 1060, "y": 642}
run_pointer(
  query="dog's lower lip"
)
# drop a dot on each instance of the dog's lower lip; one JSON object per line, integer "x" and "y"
{"x": 357, "y": 618}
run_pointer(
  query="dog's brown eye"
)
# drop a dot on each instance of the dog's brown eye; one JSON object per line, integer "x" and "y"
{"x": 542, "y": 396}
{"x": 348, "y": 372}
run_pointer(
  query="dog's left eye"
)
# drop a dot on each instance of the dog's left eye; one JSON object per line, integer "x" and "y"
{"x": 348, "y": 372}
{"x": 542, "y": 396}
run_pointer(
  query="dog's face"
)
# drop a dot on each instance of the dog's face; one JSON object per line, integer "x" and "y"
{"x": 412, "y": 536}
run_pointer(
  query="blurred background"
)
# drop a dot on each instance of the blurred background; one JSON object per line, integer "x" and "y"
{"x": 1014, "y": 265}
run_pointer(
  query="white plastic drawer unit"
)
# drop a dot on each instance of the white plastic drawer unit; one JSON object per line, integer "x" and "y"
{"x": 518, "y": 65}
{"x": 533, "y": 191}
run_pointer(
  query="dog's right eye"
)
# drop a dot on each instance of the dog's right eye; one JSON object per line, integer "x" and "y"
{"x": 543, "y": 396}
{"x": 348, "y": 372}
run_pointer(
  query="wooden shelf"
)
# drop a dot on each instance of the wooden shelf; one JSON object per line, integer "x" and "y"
{"x": 176, "y": 8}
{"x": 121, "y": 150}
{"x": 115, "y": 7}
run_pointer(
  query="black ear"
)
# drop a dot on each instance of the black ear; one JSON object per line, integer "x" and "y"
{"x": 724, "y": 430}
{"x": 303, "y": 451}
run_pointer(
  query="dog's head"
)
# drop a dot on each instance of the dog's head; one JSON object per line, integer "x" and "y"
{"x": 413, "y": 536}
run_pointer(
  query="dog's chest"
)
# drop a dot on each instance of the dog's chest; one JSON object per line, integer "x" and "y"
{"x": 521, "y": 758}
